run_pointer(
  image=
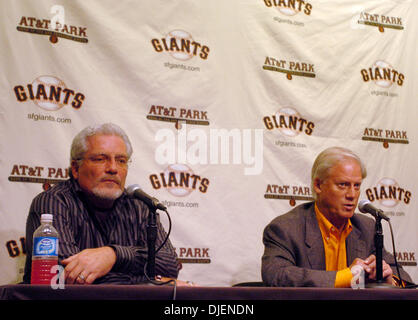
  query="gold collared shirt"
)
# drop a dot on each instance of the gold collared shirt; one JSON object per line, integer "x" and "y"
{"x": 335, "y": 249}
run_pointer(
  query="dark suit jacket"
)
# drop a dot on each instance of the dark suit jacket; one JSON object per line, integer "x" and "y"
{"x": 294, "y": 252}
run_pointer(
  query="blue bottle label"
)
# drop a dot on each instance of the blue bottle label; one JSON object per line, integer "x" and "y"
{"x": 45, "y": 246}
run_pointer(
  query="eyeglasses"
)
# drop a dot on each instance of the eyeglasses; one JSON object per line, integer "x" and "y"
{"x": 102, "y": 159}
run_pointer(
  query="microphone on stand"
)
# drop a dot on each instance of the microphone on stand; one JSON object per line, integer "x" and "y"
{"x": 365, "y": 206}
{"x": 135, "y": 191}
{"x": 153, "y": 204}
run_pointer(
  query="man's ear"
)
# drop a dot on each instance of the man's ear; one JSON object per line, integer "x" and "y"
{"x": 317, "y": 185}
{"x": 74, "y": 169}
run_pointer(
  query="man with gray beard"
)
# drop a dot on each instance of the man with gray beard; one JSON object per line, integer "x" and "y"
{"x": 102, "y": 231}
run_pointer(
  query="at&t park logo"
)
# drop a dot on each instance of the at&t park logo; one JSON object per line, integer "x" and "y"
{"x": 54, "y": 27}
{"x": 406, "y": 258}
{"x": 49, "y": 93}
{"x": 290, "y": 68}
{"x": 179, "y": 180}
{"x": 180, "y": 45}
{"x": 380, "y": 21}
{"x": 178, "y": 115}
{"x": 388, "y": 193}
{"x": 288, "y": 192}
{"x": 385, "y": 136}
{"x": 193, "y": 255}
{"x": 46, "y": 176}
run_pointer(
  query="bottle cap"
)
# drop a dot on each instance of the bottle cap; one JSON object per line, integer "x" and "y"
{"x": 46, "y": 217}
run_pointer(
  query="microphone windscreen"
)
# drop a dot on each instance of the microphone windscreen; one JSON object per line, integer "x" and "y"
{"x": 132, "y": 188}
{"x": 362, "y": 204}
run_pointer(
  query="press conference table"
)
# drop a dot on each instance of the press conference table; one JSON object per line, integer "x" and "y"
{"x": 152, "y": 292}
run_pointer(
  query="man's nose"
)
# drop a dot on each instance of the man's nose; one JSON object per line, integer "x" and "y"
{"x": 111, "y": 165}
{"x": 351, "y": 192}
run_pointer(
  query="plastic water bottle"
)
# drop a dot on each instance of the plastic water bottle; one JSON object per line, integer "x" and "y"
{"x": 45, "y": 251}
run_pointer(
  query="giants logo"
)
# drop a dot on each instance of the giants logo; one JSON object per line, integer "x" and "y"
{"x": 49, "y": 93}
{"x": 288, "y": 122}
{"x": 382, "y": 74}
{"x": 179, "y": 180}
{"x": 290, "y": 7}
{"x": 16, "y": 247}
{"x": 181, "y": 46}
{"x": 388, "y": 193}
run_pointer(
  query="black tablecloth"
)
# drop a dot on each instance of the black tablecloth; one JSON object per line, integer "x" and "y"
{"x": 151, "y": 292}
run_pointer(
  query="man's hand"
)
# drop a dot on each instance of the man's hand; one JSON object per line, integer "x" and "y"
{"x": 370, "y": 269}
{"x": 369, "y": 266}
{"x": 88, "y": 265}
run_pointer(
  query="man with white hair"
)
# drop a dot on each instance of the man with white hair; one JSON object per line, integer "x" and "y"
{"x": 102, "y": 231}
{"x": 319, "y": 243}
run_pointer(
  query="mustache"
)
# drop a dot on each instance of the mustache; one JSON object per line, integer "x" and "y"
{"x": 113, "y": 179}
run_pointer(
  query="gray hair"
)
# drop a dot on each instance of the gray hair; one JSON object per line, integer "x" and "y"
{"x": 79, "y": 145}
{"x": 328, "y": 159}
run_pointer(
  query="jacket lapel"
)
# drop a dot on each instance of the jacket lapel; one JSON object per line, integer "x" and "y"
{"x": 314, "y": 242}
{"x": 355, "y": 246}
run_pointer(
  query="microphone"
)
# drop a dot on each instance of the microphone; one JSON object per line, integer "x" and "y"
{"x": 135, "y": 191}
{"x": 365, "y": 206}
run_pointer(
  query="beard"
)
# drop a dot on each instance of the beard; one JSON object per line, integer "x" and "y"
{"x": 107, "y": 194}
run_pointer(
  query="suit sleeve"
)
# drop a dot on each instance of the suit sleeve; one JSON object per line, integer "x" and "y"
{"x": 281, "y": 265}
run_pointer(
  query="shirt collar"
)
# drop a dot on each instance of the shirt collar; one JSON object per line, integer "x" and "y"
{"x": 327, "y": 227}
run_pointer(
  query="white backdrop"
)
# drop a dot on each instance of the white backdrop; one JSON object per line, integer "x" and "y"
{"x": 279, "y": 80}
